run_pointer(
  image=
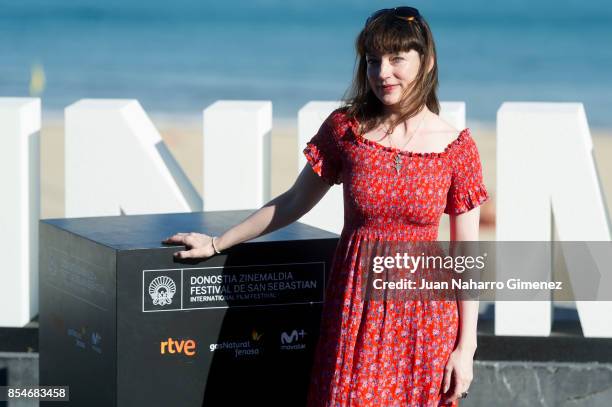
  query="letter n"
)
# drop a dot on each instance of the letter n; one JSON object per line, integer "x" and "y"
{"x": 117, "y": 163}
{"x": 546, "y": 170}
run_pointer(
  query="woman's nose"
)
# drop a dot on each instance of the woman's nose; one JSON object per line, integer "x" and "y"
{"x": 385, "y": 69}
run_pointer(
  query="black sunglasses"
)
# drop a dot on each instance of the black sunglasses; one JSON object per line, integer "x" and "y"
{"x": 404, "y": 13}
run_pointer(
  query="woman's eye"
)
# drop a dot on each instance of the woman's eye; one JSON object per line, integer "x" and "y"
{"x": 397, "y": 59}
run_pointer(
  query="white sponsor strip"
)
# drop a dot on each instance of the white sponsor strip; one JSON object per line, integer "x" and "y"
{"x": 117, "y": 163}
{"x": 19, "y": 209}
{"x": 237, "y": 155}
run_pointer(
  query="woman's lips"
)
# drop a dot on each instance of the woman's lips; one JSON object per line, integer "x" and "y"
{"x": 388, "y": 88}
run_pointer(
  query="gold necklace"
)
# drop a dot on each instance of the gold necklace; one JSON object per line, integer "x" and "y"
{"x": 397, "y": 161}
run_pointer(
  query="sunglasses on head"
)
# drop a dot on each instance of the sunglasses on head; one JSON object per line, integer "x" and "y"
{"x": 404, "y": 13}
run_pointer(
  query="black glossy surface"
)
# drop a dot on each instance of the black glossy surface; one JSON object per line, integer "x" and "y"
{"x": 148, "y": 231}
{"x": 95, "y": 316}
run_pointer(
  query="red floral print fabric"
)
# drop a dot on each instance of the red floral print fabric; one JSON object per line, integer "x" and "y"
{"x": 386, "y": 353}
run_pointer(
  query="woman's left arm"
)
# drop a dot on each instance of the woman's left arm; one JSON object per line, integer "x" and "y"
{"x": 463, "y": 227}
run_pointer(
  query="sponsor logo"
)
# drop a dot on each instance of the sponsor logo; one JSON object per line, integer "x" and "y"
{"x": 161, "y": 290}
{"x": 174, "y": 346}
{"x": 96, "y": 340}
{"x": 79, "y": 336}
{"x": 293, "y": 340}
{"x": 256, "y": 336}
{"x": 250, "y": 347}
{"x": 85, "y": 338}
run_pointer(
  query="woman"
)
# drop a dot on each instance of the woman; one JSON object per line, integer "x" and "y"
{"x": 401, "y": 167}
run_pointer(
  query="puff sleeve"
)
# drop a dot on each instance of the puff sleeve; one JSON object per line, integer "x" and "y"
{"x": 323, "y": 153}
{"x": 467, "y": 189}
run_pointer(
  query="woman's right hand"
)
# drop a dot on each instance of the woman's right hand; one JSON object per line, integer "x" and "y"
{"x": 286, "y": 208}
{"x": 199, "y": 245}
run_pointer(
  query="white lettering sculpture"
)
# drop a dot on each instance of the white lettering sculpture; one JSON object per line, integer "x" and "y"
{"x": 545, "y": 167}
{"x": 19, "y": 209}
{"x": 117, "y": 163}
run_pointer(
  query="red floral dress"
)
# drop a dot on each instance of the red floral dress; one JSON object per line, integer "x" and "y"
{"x": 386, "y": 353}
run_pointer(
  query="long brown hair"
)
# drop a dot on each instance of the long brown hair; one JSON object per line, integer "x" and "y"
{"x": 389, "y": 34}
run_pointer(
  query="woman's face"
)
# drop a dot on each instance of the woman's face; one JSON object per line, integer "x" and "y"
{"x": 389, "y": 75}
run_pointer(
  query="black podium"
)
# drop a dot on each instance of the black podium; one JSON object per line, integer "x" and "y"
{"x": 123, "y": 324}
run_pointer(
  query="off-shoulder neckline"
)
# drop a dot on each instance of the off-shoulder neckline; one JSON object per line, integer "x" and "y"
{"x": 354, "y": 126}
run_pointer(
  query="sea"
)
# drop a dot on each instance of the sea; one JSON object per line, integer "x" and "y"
{"x": 179, "y": 56}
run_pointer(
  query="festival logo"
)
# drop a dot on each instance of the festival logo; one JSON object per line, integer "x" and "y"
{"x": 162, "y": 290}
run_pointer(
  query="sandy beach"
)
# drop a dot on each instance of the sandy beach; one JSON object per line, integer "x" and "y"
{"x": 185, "y": 143}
